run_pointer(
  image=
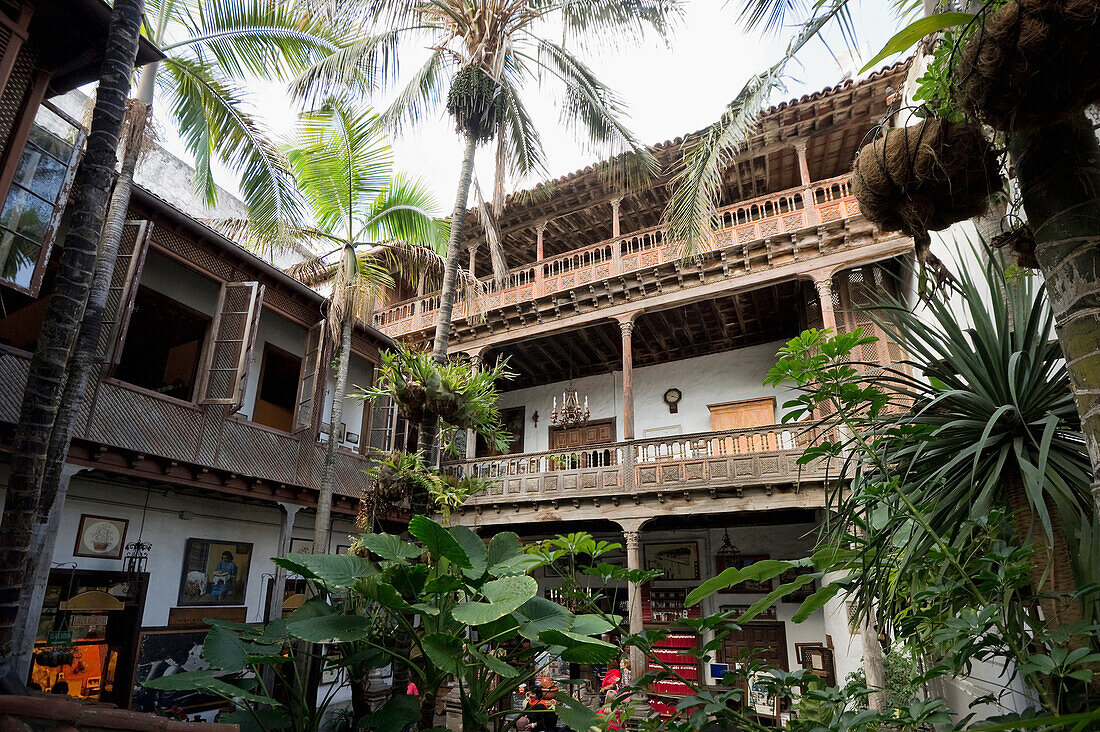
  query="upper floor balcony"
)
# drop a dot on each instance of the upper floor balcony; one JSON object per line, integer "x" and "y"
{"x": 767, "y": 232}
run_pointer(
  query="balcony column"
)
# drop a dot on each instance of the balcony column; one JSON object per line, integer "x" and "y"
{"x": 286, "y": 529}
{"x": 540, "y": 229}
{"x": 616, "y": 245}
{"x": 473, "y": 258}
{"x": 632, "y": 542}
{"x": 471, "y": 436}
{"x": 824, "y": 283}
{"x": 626, "y": 325}
{"x": 804, "y": 175}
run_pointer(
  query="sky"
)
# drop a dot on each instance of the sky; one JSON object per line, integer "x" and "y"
{"x": 670, "y": 88}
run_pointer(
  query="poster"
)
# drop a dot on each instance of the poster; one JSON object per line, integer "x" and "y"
{"x": 214, "y": 572}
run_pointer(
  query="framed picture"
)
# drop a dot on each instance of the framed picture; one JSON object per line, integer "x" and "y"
{"x": 343, "y": 548}
{"x": 100, "y": 536}
{"x": 760, "y": 698}
{"x": 166, "y": 652}
{"x": 748, "y": 587}
{"x": 802, "y": 592}
{"x": 214, "y": 572}
{"x": 352, "y": 437}
{"x": 301, "y": 546}
{"x": 678, "y": 561}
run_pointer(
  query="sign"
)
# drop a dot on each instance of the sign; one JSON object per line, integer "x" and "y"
{"x": 87, "y": 621}
{"x": 59, "y": 638}
{"x": 193, "y": 616}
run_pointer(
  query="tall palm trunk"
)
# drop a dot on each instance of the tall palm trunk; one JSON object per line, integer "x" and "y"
{"x": 61, "y": 322}
{"x": 429, "y": 424}
{"x": 1058, "y": 170}
{"x": 81, "y": 367}
{"x": 336, "y": 416}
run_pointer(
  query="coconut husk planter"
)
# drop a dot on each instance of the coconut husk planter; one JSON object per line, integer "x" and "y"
{"x": 1031, "y": 63}
{"x": 924, "y": 178}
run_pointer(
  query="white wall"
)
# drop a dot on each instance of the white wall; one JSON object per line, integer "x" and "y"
{"x": 360, "y": 376}
{"x": 713, "y": 379}
{"x": 182, "y": 284}
{"x": 279, "y": 332}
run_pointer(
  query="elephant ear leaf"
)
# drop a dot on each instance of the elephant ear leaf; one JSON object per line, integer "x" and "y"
{"x": 574, "y": 714}
{"x": 399, "y": 712}
{"x": 504, "y": 595}
{"x": 389, "y": 547}
{"x": 335, "y": 570}
{"x": 475, "y": 550}
{"x": 438, "y": 541}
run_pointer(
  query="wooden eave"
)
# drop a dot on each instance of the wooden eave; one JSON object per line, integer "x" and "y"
{"x": 576, "y": 207}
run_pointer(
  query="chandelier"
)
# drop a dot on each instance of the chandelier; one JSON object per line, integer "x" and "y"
{"x": 571, "y": 414}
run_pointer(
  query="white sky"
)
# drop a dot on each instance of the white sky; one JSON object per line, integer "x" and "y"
{"x": 669, "y": 90}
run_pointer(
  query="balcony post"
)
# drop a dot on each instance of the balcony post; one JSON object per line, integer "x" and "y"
{"x": 286, "y": 529}
{"x": 626, "y": 325}
{"x": 471, "y": 436}
{"x": 473, "y": 258}
{"x": 616, "y": 245}
{"x": 632, "y": 541}
{"x": 808, "y": 203}
{"x": 823, "y": 281}
{"x": 540, "y": 229}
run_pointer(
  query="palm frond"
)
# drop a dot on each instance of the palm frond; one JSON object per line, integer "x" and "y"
{"x": 313, "y": 271}
{"x": 358, "y": 67}
{"x": 214, "y": 120}
{"x": 492, "y": 233}
{"x": 615, "y": 22}
{"x": 422, "y": 96}
{"x": 519, "y": 136}
{"x": 406, "y": 211}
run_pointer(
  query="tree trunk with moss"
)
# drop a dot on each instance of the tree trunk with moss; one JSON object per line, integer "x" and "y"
{"x": 1058, "y": 170}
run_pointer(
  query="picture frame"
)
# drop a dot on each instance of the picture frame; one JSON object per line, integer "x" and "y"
{"x": 100, "y": 537}
{"x": 164, "y": 651}
{"x": 760, "y": 699}
{"x": 818, "y": 660}
{"x": 343, "y": 548}
{"x": 215, "y": 572}
{"x": 352, "y": 437}
{"x": 678, "y": 560}
{"x": 803, "y": 592}
{"x": 301, "y": 546}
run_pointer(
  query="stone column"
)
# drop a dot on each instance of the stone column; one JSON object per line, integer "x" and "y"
{"x": 626, "y": 325}
{"x": 824, "y": 285}
{"x": 286, "y": 530}
{"x": 471, "y": 436}
{"x": 39, "y": 561}
{"x": 632, "y": 542}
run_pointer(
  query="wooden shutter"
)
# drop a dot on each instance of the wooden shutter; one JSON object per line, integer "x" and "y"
{"x": 234, "y": 333}
{"x": 311, "y": 381}
{"x": 123, "y": 289}
{"x": 741, "y": 415}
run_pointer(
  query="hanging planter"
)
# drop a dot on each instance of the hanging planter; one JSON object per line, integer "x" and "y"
{"x": 1031, "y": 63}
{"x": 925, "y": 178}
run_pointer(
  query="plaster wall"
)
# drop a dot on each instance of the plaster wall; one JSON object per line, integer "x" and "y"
{"x": 182, "y": 284}
{"x": 279, "y": 332}
{"x": 360, "y": 376}
{"x": 712, "y": 379}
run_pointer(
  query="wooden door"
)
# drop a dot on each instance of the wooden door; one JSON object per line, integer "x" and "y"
{"x": 766, "y": 641}
{"x": 599, "y": 432}
{"x": 742, "y": 415}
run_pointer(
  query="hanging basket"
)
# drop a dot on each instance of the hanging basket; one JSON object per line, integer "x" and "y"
{"x": 1031, "y": 63}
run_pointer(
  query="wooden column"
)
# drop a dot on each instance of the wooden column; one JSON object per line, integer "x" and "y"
{"x": 803, "y": 164}
{"x": 824, "y": 285}
{"x": 626, "y": 325}
{"x": 286, "y": 529}
{"x": 633, "y": 544}
{"x": 540, "y": 229}
{"x": 473, "y": 260}
{"x": 616, "y": 246}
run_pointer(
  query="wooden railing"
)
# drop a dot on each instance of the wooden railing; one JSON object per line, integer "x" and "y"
{"x": 743, "y": 227}
{"x": 727, "y": 459}
{"x": 124, "y": 416}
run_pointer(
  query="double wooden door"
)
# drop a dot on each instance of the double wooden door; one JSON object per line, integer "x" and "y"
{"x": 583, "y": 439}
{"x": 766, "y": 641}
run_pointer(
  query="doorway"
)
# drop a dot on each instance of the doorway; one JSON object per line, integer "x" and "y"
{"x": 763, "y": 640}
{"x": 591, "y": 434}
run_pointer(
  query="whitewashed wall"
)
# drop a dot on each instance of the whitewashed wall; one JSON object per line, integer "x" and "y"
{"x": 713, "y": 379}
{"x": 360, "y": 375}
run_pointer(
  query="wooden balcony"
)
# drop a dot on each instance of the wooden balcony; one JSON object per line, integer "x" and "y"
{"x": 712, "y": 463}
{"x": 753, "y": 234}
{"x": 190, "y": 443}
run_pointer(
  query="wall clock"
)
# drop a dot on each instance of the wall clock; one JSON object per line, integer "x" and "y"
{"x": 672, "y": 399}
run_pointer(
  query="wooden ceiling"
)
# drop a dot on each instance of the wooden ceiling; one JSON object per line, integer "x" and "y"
{"x": 709, "y": 326}
{"x": 577, "y": 207}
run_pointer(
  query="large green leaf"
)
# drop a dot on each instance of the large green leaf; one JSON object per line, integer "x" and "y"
{"x": 580, "y": 648}
{"x": 503, "y": 546}
{"x": 539, "y": 614}
{"x": 475, "y": 550}
{"x": 408, "y": 579}
{"x": 574, "y": 714}
{"x": 591, "y": 625}
{"x": 445, "y": 651}
{"x": 438, "y": 541}
{"x": 782, "y": 591}
{"x": 398, "y": 713}
{"x": 495, "y": 664}
{"x": 758, "y": 572}
{"x": 386, "y": 596}
{"x": 331, "y": 629}
{"x": 186, "y": 681}
{"x": 336, "y": 570}
{"x": 918, "y": 29}
{"x": 504, "y": 595}
{"x": 226, "y": 649}
{"x": 389, "y": 546}
{"x": 815, "y": 602}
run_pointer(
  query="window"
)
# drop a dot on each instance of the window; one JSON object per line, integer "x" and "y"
{"x": 38, "y": 193}
{"x": 163, "y": 345}
{"x": 278, "y": 385}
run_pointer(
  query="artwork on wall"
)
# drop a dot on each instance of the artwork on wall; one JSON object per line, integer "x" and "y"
{"x": 100, "y": 536}
{"x": 748, "y": 587}
{"x": 166, "y": 652}
{"x": 818, "y": 660}
{"x": 214, "y": 572}
{"x": 301, "y": 546}
{"x": 802, "y": 592}
{"x": 678, "y": 561}
{"x": 760, "y": 697}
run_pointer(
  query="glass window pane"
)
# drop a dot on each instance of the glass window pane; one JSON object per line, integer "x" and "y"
{"x": 41, "y": 173}
{"x": 26, "y": 214}
{"x": 18, "y": 256}
{"x": 63, "y": 132}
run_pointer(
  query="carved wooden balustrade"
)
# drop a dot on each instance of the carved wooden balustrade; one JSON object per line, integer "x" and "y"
{"x": 708, "y": 461}
{"x": 744, "y": 231}
{"x": 123, "y": 416}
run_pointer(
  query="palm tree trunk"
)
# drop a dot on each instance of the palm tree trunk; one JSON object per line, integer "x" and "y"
{"x": 81, "y": 367}
{"x": 61, "y": 322}
{"x": 428, "y": 425}
{"x": 336, "y": 416}
{"x": 1058, "y": 170}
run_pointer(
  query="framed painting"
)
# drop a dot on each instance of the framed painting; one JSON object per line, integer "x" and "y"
{"x": 101, "y": 537}
{"x": 678, "y": 561}
{"x": 802, "y": 592}
{"x": 301, "y": 546}
{"x": 214, "y": 572}
{"x": 165, "y": 652}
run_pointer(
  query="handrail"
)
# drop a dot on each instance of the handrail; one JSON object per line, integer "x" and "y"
{"x": 747, "y": 220}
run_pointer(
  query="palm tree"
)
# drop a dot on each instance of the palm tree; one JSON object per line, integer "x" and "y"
{"x": 372, "y": 222}
{"x": 483, "y": 55}
{"x": 1057, "y": 168}
{"x": 207, "y": 43}
{"x": 62, "y": 319}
